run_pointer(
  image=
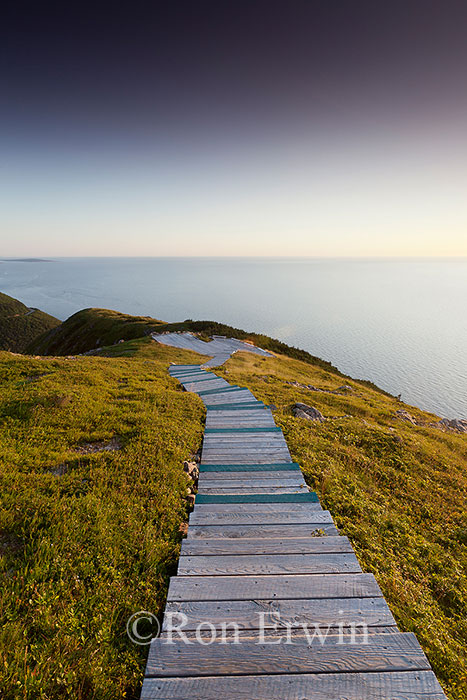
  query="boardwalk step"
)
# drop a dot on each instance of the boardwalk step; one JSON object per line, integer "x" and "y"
{"x": 223, "y": 431}
{"x": 255, "y": 405}
{"x": 274, "y": 587}
{"x": 286, "y": 545}
{"x": 256, "y": 614}
{"x": 409, "y": 685}
{"x": 259, "y": 498}
{"x": 382, "y": 653}
{"x": 284, "y": 466}
{"x": 256, "y": 527}
{"x": 262, "y": 564}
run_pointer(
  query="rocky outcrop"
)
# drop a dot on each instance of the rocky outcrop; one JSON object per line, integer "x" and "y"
{"x": 458, "y": 425}
{"x": 340, "y": 389}
{"x": 301, "y": 410}
{"x": 405, "y": 415}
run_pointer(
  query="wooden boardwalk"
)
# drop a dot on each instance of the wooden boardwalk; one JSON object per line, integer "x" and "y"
{"x": 263, "y": 558}
{"x": 219, "y": 348}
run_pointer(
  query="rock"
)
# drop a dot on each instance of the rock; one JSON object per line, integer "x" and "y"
{"x": 405, "y": 415}
{"x": 457, "y": 424}
{"x": 301, "y": 410}
{"x": 344, "y": 387}
{"x": 191, "y": 499}
{"x": 191, "y": 469}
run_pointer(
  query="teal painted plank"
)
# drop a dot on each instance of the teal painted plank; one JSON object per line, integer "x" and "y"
{"x": 275, "y": 467}
{"x": 259, "y": 498}
{"x": 216, "y": 431}
{"x": 177, "y": 368}
{"x": 201, "y": 373}
{"x": 234, "y": 407}
{"x": 226, "y": 389}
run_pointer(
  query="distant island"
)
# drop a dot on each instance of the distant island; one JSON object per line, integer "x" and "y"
{"x": 29, "y": 260}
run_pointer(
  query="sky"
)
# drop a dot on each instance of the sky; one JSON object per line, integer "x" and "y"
{"x": 234, "y": 127}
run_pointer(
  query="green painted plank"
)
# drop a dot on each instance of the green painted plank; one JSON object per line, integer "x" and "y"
{"x": 190, "y": 374}
{"x": 177, "y": 368}
{"x": 215, "y": 431}
{"x": 259, "y": 498}
{"x": 234, "y": 407}
{"x": 275, "y": 467}
{"x": 222, "y": 391}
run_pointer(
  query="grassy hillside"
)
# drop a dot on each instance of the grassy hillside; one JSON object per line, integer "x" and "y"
{"x": 92, "y": 486}
{"x": 398, "y": 490}
{"x": 92, "y": 328}
{"x": 91, "y": 452}
{"x": 20, "y": 325}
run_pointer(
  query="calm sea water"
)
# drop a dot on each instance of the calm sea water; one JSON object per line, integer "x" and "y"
{"x": 402, "y": 324}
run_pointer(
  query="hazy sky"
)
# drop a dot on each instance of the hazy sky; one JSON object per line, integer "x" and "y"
{"x": 234, "y": 127}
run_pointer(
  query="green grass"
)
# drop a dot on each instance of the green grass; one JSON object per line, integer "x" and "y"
{"x": 398, "y": 491}
{"x": 19, "y": 326}
{"x": 84, "y": 549}
{"x": 90, "y": 329}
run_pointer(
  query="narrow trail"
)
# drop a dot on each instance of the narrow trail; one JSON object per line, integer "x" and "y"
{"x": 262, "y": 554}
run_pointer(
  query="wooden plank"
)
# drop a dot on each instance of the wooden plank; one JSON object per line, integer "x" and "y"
{"x": 247, "y": 565}
{"x": 408, "y": 685}
{"x": 252, "y": 405}
{"x": 282, "y": 587}
{"x": 257, "y": 478}
{"x": 273, "y": 467}
{"x": 284, "y": 545}
{"x": 274, "y": 615}
{"x": 245, "y": 459}
{"x": 249, "y": 479}
{"x": 254, "y": 614}
{"x": 252, "y": 508}
{"x": 260, "y": 498}
{"x": 245, "y": 526}
{"x": 242, "y": 418}
{"x": 233, "y": 490}
{"x": 382, "y": 653}
{"x": 248, "y": 482}
{"x": 228, "y": 389}
{"x": 223, "y": 431}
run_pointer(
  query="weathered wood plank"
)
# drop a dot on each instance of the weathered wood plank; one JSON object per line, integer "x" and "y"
{"x": 228, "y": 389}
{"x": 252, "y": 430}
{"x": 235, "y": 509}
{"x": 256, "y": 614}
{"x": 236, "y": 477}
{"x": 285, "y": 545}
{"x": 233, "y": 490}
{"x": 253, "y": 527}
{"x": 274, "y": 587}
{"x": 409, "y": 685}
{"x": 247, "y": 565}
{"x": 245, "y": 480}
{"x": 253, "y": 405}
{"x": 382, "y": 653}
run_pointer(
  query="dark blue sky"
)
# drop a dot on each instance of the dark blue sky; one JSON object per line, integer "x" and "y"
{"x": 183, "y": 121}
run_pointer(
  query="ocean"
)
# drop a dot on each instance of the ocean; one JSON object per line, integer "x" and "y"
{"x": 400, "y": 323}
